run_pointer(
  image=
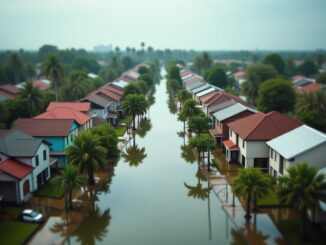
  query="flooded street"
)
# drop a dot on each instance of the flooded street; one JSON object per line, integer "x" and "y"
{"x": 161, "y": 200}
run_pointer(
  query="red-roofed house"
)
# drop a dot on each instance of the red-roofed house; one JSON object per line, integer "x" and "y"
{"x": 308, "y": 88}
{"x": 78, "y": 106}
{"x": 248, "y": 137}
{"x": 24, "y": 165}
{"x": 84, "y": 121}
{"x": 8, "y": 91}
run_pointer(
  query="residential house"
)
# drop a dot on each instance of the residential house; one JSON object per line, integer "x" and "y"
{"x": 84, "y": 121}
{"x": 248, "y": 137}
{"x": 58, "y": 132}
{"x": 102, "y": 108}
{"x": 8, "y": 91}
{"x": 222, "y": 117}
{"x": 24, "y": 165}
{"x": 302, "y": 144}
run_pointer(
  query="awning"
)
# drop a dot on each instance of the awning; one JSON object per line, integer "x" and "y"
{"x": 230, "y": 145}
{"x": 53, "y": 161}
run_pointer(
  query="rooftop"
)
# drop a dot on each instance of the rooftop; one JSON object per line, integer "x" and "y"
{"x": 14, "y": 168}
{"x": 78, "y": 106}
{"x": 231, "y": 111}
{"x": 297, "y": 141}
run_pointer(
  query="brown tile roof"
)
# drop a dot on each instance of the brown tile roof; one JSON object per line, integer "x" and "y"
{"x": 65, "y": 113}
{"x": 98, "y": 100}
{"x": 204, "y": 99}
{"x": 15, "y": 168}
{"x": 8, "y": 91}
{"x": 261, "y": 126}
{"x": 222, "y": 105}
{"x": 44, "y": 127}
{"x": 108, "y": 94}
{"x": 311, "y": 87}
{"x": 114, "y": 89}
{"x": 224, "y": 96}
{"x": 78, "y": 106}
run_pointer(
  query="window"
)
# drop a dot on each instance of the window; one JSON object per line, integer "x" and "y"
{"x": 261, "y": 163}
{"x": 281, "y": 167}
{"x": 26, "y": 189}
{"x": 243, "y": 144}
{"x": 237, "y": 139}
{"x": 44, "y": 155}
{"x": 230, "y": 133}
{"x": 37, "y": 162}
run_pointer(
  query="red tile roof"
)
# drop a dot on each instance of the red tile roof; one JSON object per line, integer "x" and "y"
{"x": 216, "y": 132}
{"x": 41, "y": 85}
{"x": 78, "y": 106}
{"x": 311, "y": 87}
{"x": 185, "y": 73}
{"x": 65, "y": 113}
{"x": 8, "y": 91}
{"x": 191, "y": 79}
{"x": 44, "y": 127}
{"x": 261, "y": 126}
{"x": 15, "y": 168}
{"x": 209, "y": 96}
{"x": 224, "y": 96}
{"x": 230, "y": 145}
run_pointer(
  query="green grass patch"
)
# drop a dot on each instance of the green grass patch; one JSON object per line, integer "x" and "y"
{"x": 51, "y": 190}
{"x": 121, "y": 131}
{"x": 13, "y": 211}
{"x": 270, "y": 200}
{"x": 16, "y": 232}
{"x": 291, "y": 229}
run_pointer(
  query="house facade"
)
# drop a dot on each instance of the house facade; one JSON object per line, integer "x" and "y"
{"x": 24, "y": 165}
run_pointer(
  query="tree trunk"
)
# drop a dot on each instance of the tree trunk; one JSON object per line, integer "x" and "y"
{"x": 248, "y": 216}
{"x": 198, "y": 157}
{"x": 133, "y": 121}
{"x": 209, "y": 161}
{"x": 91, "y": 180}
{"x": 70, "y": 199}
{"x": 56, "y": 90}
{"x": 303, "y": 235}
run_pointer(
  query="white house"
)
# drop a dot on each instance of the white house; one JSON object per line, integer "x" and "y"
{"x": 303, "y": 144}
{"x": 24, "y": 165}
{"x": 248, "y": 137}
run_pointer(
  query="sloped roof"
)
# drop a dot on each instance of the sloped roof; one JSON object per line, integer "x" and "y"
{"x": 19, "y": 144}
{"x": 195, "y": 84}
{"x": 297, "y": 141}
{"x": 42, "y": 85}
{"x": 113, "y": 89}
{"x": 224, "y": 96}
{"x": 308, "y": 88}
{"x": 120, "y": 83}
{"x": 107, "y": 93}
{"x": 65, "y": 113}
{"x": 14, "y": 168}
{"x": 261, "y": 126}
{"x": 98, "y": 100}
{"x": 9, "y": 88}
{"x": 221, "y": 106}
{"x": 44, "y": 127}
{"x": 231, "y": 111}
{"x": 78, "y": 106}
{"x": 192, "y": 79}
{"x": 201, "y": 88}
{"x": 230, "y": 145}
{"x": 209, "y": 96}
{"x": 205, "y": 92}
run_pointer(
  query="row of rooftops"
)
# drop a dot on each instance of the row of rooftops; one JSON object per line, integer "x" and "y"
{"x": 286, "y": 135}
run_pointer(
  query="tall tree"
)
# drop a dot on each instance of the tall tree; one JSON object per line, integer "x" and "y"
{"x": 303, "y": 188}
{"x": 134, "y": 155}
{"x": 131, "y": 88}
{"x": 32, "y": 97}
{"x": 16, "y": 66}
{"x": 203, "y": 143}
{"x": 190, "y": 108}
{"x": 53, "y": 70}
{"x": 307, "y": 68}
{"x": 87, "y": 153}
{"x": 321, "y": 78}
{"x": 202, "y": 63}
{"x": 216, "y": 76}
{"x": 256, "y": 75}
{"x": 276, "y": 61}
{"x": 69, "y": 180}
{"x": 133, "y": 105}
{"x": 251, "y": 181}
{"x": 276, "y": 94}
{"x": 199, "y": 123}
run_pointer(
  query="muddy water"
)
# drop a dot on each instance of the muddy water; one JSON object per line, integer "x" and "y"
{"x": 157, "y": 197}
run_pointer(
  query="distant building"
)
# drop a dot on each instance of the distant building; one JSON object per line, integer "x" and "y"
{"x": 103, "y": 48}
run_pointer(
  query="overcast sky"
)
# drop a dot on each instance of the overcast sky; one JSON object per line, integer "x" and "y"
{"x": 182, "y": 24}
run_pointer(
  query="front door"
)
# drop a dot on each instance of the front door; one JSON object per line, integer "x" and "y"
{"x": 234, "y": 156}
{"x": 243, "y": 161}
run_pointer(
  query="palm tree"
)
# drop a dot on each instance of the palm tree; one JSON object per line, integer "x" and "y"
{"x": 144, "y": 126}
{"x": 303, "y": 188}
{"x": 198, "y": 191}
{"x": 100, "y": 220}
{"x": 199, "y": 123}
{"x": 312, "y": 102}
{"x": 133, "y": 105}
{"x": 31, "y": 95}
{"x": 53, "y": 70}
{"x": 187, "y": 153}
{"x": 134, "y": 155}
{"x": 190, "y": 108}
{"x": 251, "y": 182}
{"x": 183, "y": 95}
{"x": 16, "y": 66}
{"x": 87, "y": 153}
{"x": 69, "y": 180}
{"x": 203, "y": 143}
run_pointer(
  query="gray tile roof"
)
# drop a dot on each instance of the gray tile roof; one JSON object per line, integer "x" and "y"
{"x": 194, "y": 85}
{"x": 19, "y": 144}
{"x": 221, "y": 106}
{"x": 98, "y": 100}
{"x": 201, "y": 88}
{"x": 231, "y": 111}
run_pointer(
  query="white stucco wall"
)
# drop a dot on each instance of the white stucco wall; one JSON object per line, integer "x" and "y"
{"x": 43, "y": 164}
{"x": 255, "y": 149}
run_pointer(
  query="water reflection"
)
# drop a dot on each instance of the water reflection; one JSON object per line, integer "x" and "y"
{"x": 144, "y": 127}
{"x": 134, "y": 155}
{"x": 198, "y": 191}
{"x": 173, "y": 108}
{"x": 237, "y": 237}
{"x": 187, "y": 153}
{"x": 100, "y": 221}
